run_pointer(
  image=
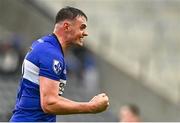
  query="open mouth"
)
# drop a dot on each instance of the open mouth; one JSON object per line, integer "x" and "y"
{"x": 81, "y": 39}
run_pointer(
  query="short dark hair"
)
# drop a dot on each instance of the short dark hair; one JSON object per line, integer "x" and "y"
{"x": 69, "y": 13}
{"x": 134, "y": 109}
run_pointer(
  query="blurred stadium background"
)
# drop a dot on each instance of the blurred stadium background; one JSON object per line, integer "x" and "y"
{"x": 131, "y": 53}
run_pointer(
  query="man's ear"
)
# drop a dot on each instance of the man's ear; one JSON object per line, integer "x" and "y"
{"x": 66, "y": 26}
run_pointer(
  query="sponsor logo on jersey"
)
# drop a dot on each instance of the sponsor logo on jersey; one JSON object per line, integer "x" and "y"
{"x": 57, "y": 67}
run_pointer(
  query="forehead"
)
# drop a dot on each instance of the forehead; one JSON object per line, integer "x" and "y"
{"x": 125, "y": 110}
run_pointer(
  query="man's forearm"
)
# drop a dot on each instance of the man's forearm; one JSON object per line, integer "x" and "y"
{"x": 63, "y": 106}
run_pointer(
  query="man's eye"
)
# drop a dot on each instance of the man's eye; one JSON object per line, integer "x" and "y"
{"x": 83, "y": 27}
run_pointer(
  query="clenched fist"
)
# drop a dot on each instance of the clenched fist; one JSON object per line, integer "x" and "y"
{"x": 99, "y": 103}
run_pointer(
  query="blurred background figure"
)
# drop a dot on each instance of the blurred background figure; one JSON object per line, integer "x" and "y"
{"x": 82, "y": 68}
{"x": 11, "y": 53}
{"x": 129, "y": 113}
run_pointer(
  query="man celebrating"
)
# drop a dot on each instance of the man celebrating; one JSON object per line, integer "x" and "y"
{"x": 44, "y": 74}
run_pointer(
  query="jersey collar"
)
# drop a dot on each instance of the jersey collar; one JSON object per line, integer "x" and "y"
{"x": 57, "y": 42}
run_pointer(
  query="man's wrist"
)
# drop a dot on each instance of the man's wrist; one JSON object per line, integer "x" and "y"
{"x": 91, "y": 107}
{"x": 86, "y": 107}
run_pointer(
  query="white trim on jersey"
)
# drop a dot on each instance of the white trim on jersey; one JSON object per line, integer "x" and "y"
{"x": 31, "y": 72}
{"x": 63, "y": 81}
{"x": 40, "y": 41}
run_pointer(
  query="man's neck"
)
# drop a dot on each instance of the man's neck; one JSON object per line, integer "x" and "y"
{"x": 62, "y": 42}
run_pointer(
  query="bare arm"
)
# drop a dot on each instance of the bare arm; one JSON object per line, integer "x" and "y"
{"x": 52, "y": 103}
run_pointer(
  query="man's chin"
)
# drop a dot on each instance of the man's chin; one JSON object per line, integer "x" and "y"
{"x": 80, "y": 43}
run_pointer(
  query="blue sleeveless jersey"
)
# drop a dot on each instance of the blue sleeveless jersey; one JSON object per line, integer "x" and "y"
{"x": 45, "y": 58}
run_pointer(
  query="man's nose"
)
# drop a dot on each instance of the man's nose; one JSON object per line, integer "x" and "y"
{"x": 85, "y": 33}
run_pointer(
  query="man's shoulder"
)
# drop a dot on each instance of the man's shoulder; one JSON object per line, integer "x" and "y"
{"x": 42, "y": 45}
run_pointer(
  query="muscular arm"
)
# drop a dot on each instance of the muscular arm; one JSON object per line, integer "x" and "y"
{"x": 52, "y": 103}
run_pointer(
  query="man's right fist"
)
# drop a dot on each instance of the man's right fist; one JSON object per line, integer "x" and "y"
{"x": 99, "y": 103}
